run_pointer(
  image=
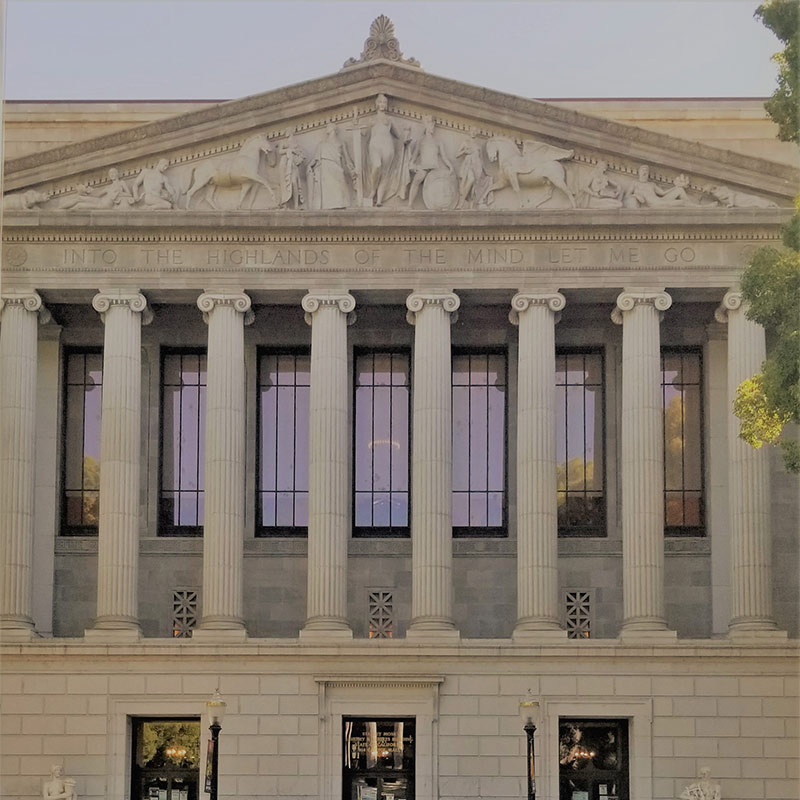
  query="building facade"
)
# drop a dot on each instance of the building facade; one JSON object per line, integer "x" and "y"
{"x": 381, "y": 402}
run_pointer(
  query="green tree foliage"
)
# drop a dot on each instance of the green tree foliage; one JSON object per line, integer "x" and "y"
{"x": 157, "y": 737}
{"x": 770, "y": 400}
{"x": 782, "y": 17}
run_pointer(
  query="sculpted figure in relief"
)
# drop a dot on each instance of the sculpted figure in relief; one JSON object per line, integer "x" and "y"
{"x": 703, "y": 789}
{"x": 24, "y": 201}
{"x": 292, "y": 158}
{"x": 387, "y": 157}
{"x": 239, "y": 170}
{"x": 58, "y": 787}
{"x": 538, "y": 165}
{"x": 730, "y": 199}
{"x": 427, "y": 155}
{"x": 646, "y": 193}
{"x": 153, "y": 189}
{"x": 473, "y": 182}
{"x": 600, "y": 191}
{"x": 116, "y": 193}
{"x": 327, "y": 182}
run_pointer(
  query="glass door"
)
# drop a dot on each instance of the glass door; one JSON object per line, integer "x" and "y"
{"x": 378, "y": 758}
{"x": 166, "y": 759}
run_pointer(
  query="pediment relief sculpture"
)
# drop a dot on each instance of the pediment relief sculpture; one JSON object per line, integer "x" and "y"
{"x": 385, "y": 158}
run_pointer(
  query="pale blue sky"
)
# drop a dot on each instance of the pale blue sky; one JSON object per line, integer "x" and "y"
{"x": 189, "y": 49}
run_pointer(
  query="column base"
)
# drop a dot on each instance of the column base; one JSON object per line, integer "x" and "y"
{"x": 745, "y": 634}
{"x": 219, "y": 635}
{"x": 17, "y": 633}
{"x": 123, "y": 635}
{"x": 528, "y": 633}
{"x": 317, "y": 628}
{"x": 645, "y": 636}
{"x": 433, "y": 629}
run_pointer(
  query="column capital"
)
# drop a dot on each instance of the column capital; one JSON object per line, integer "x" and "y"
{"x": 239, "y": 301}
{"x": 417, "y": 301}
{"x": 631, "y": 298}
{"x": 522, "y": 301}
{"x": 730, "y": 302}
{"x": 313, "y": 301}
{"x": 103, "y": 301}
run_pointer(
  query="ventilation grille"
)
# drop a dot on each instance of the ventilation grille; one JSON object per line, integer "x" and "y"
{"x": 381, "y": 614}
{"x": 578, "y": 603}
{"x": 184, "y": 613}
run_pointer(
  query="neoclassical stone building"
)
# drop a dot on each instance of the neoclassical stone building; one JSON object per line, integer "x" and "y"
{"x": 380, "y": 402}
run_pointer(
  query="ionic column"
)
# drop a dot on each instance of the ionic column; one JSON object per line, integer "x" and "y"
{"x": 642, "y": 474}
{"x": 223, "y": 528}
{"x": 432, "y": 465}
{"x": 328, "y": 467}
{"x": 536, "y": 313}
{"x": 123, "y": 313}
{"x": 748, "y": 483}
{"x": 18, "y": 353}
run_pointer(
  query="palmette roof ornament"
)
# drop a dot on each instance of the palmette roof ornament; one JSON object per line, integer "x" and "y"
{"x": 381, "y": 44}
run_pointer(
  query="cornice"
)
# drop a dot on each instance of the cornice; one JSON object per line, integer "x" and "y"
{"x": 342, "y": 89}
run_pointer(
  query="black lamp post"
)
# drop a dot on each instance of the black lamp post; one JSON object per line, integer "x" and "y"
{"x": 528, "y": 709}
{"x": 215, "y": 710}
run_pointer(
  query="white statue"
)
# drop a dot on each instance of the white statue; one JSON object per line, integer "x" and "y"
{"x": 387, "y": 157}
{"x": 473, "y": 182}
{"x": 703, "y": 789}
{"x": 537, "y": 165}
{"x": 116, "y": 193}
{"x": 427, "y": 155}
{"x": 152, "y": 187}
{"x": 730, "y": 199}
{"x": 239, "y": 170}
{"x": 646, "y": 193}
{"x": 58, "y": 787}
{"x": 292, "y": 158}
{"x": 600, "y": 191}
{"x": 24, "y": 201}
{"x": 327, "y": 182}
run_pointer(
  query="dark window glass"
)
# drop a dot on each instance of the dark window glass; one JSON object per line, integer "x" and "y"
{"x": 378, "y": 758}
{"x": 479, "y": 444}
{"x": 283, "y": 386}
{"x": 183, "y": 416}
{"x": 593, "y": 759}
{"x": 381, "y": 443}
{"x": 166, "y": 759}
{"x": 681, "y": 385}
{"x": 579, "y": 444}
{"x": 83, "y": 388}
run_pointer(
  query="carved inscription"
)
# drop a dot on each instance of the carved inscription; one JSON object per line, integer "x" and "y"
{"x": 383, "y": 257}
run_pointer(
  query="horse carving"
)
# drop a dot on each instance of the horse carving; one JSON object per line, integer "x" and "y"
{"x": 240, "y": 170}
{"x": 537, "y": 165}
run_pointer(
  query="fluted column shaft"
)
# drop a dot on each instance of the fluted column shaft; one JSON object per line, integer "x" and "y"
{"x": 223, "y": 526}
{"x": 328, "y": 471}
{"x": 748, "y": 482}
{"x": 642, "y": 477}
{"x": 432, "y": 463}
{"x": 120, "y": 433}
{"x": 18, "y": 354}
{"x": 537, "y": 508}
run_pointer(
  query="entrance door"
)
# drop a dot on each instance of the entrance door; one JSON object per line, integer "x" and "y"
{"x": 378, "y": 758}
{"x": 593, "y": 759}
{"x": 166, "y": 759}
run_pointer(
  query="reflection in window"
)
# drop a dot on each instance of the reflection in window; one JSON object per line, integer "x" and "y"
{"x": 593, "y": 759}
{"x": 284, "y": 381}
{"x": 579, "y": 444}
{"x": 183, "y": 416}
{"x": 82, "y": 414}
{"x": 479, "y": 442}
{"x": 683, "y": 446}
{"x": 381, "y": 444}
{"x": 166, "y": 759}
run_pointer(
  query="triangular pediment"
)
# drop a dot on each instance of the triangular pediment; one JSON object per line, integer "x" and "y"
{"x": 334, "y": 144}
